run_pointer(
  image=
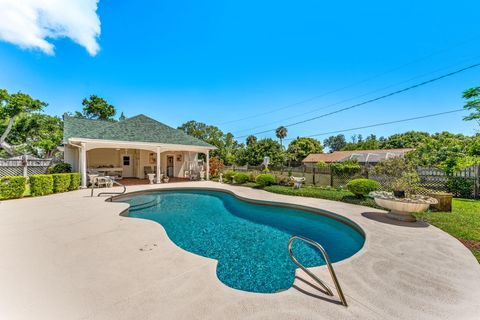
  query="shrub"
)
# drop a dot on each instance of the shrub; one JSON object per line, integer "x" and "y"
{"x": 362, "y": 187}
{"x": 61, "y": 182}
{"x": 265, "y": 179}
{"x": 252, "y": 176}
{"x": 241, "y": 177}
{"x": 216, "y": 166}
{"x": 41, "y": 184}
{"x": 228, "y": 176}
{"x": 348, "y": 167}
{"x": 282, "y": 179}
{"x": 460, "y": 186}
{"x": 74, "y": 181}
{"x": 60, "y": 167}
{"x": 12, "y": 187}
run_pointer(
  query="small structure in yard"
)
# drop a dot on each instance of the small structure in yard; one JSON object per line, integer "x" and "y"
{"x": 402, "y": 208}
{"x": 132, "y": 148}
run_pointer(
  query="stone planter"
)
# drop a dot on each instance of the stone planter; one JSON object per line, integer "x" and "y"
{"x": 401, "y": 209}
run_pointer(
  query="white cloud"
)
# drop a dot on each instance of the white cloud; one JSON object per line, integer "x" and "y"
{"x": 32, "y": 23}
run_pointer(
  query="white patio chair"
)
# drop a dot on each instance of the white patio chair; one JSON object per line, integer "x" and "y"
{"x": 297, "y": 182}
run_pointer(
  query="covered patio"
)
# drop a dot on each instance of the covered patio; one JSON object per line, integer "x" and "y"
{"x": 134, "y": 150}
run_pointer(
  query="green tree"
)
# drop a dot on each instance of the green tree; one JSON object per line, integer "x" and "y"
{"x": 409, "y": 139}
{"x": 301, "y": 147}
{"x": 281, "y": 133}
{"x": 335, "y": 143}
{"x": 11, "y": 107}
{"x": 40, "y": 134}
{"x": 226, "y": 145}
{"x": 250, "y": 140}
{"x": 254, "y": 153}
{"x": 473, "y": 95}
{"x": 95, "y": 107}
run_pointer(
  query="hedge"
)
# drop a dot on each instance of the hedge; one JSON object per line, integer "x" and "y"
{"x": 41, "y": 184}
{"x": 12, "y": 187}
{"x": 74, "y": 181}
{"x": 60, "y": 167}
{"x": 265, "y": 180}
{"x": 241, "y": 178}
{"x": 228, "y": 176}
{"x": 362, "y": 187}
{"x": 61, "y": 182}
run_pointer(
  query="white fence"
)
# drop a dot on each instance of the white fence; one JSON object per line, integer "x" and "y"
{"x": 23, "y": 166}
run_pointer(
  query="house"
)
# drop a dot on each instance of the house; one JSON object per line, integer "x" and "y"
{"x": 362, "y": 156}
{"x": 130, "y": 148}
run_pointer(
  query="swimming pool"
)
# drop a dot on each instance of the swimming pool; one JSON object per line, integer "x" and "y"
{"x": 249, "y": 240}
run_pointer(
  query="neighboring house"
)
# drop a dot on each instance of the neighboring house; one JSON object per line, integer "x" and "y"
{"x": 131, "y": 147}
{"x": 362, "y": 156}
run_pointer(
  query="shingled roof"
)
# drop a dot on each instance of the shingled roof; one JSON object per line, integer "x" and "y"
{"x": 136, "y": 129}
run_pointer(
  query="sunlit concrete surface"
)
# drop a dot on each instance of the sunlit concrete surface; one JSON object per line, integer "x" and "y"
{"x": 70, "y": 256}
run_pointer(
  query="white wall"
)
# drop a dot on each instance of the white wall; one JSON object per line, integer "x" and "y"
{"x": 70, "y": 156}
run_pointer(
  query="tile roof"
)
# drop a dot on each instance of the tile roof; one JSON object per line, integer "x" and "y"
{"x": 137, "y": 129}
{"x": 360, "y": 155}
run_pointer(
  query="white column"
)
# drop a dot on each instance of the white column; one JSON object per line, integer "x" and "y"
{"x": 159, "y": 180}
{"x": 208, "y": 165}
{"x": 83, "y": 164}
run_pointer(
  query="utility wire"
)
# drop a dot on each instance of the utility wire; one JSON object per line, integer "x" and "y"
{"x": 350, "y": 85}
{"x": 280, "y": 121}
{"x": 382, "y": 123}
{"x": 373, "y": 100}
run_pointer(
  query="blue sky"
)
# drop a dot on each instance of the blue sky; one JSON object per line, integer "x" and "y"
{"x": 215, "y": 62}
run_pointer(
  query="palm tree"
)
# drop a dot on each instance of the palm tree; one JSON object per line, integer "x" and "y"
{"x": 281, "y": 133}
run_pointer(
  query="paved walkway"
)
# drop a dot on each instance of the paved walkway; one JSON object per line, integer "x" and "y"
{"x": 69, "y": 256}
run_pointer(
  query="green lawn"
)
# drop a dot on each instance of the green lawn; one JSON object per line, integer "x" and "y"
{"x": 463, "y": 222}
{"x": 323, "y": 193}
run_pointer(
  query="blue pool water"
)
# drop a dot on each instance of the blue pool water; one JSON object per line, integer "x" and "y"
{"x": 248, "y": 240}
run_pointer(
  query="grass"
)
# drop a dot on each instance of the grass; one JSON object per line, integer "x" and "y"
{"x": 462, "y": 223}
{"x": 323, "y": 193}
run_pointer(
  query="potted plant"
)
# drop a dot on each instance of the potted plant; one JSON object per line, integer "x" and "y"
{"x": 407, "y": 183}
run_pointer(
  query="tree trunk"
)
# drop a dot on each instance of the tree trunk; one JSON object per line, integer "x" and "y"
{"x": 7, "y": 147}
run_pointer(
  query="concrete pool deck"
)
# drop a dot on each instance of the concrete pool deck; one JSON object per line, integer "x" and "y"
{"x": 69, "y": 256}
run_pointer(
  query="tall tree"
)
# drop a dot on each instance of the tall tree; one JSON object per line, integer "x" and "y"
{"x": 226, "y": 145}
{"x": 39, "y": 134}
{"x": 251, "y": 139}
{"x": 12, "y": 106}
{"x": 254, "y": 153}
{"x": 301, "y": 147}
{"x": 281, "y": 134}
{"x": 95, "y": 107}
{"x": 473, "y": 95}
{"x": 335, "y": 143}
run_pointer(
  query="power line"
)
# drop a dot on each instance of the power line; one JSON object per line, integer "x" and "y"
{"x": 280, "y": 121}
{"x": 350, "y": 85}
{"x": 374, "y": 99}
{"x": 383, "y": 123}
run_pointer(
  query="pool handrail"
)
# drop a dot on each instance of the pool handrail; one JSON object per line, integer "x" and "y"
{"x": 313, "y": 276}
{"x": 113, "y": 181}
